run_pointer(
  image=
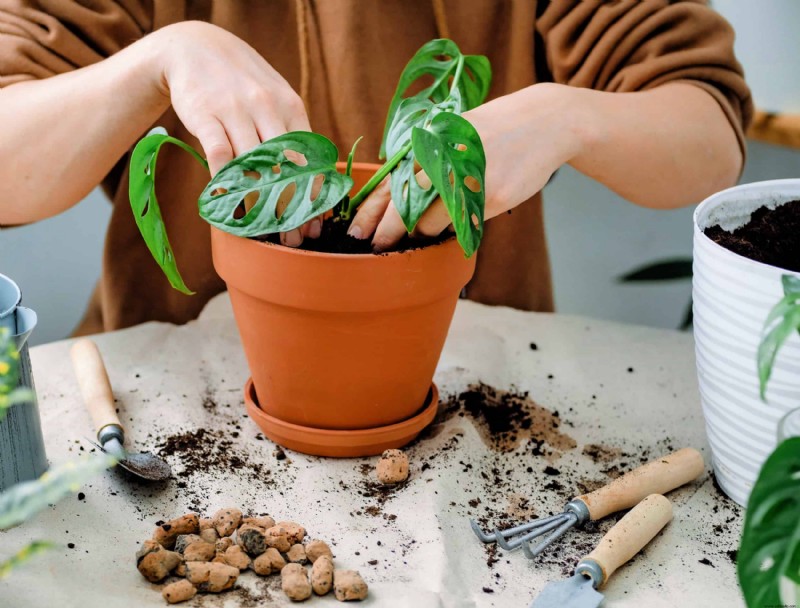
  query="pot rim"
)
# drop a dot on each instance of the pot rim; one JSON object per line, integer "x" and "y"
{"x": 724, "y": 196}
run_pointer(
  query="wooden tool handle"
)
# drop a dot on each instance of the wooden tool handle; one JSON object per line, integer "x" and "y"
{"x": 656, "y": 477}
{"x": 630, "y": 534}
{"x": 94, "y": 384}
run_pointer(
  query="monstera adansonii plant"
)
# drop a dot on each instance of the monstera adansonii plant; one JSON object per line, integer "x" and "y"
{"x": 290, "y": 179}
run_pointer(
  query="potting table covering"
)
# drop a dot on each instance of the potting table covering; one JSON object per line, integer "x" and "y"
{"x": 620, "y": 386}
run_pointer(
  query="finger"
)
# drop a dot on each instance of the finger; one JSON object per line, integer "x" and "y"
{"x": 242, "y": 134}
{"x": 433, "y": 221}
{"x": 296, "y": 114}
{"x": 312, "y": 228}
{"x": 371, "y": 212}
{"x": 390, "y": 230}
{"x": 268, "y": 126}
{"x": 215, "y": 143}
{"x": 293, "y": 238}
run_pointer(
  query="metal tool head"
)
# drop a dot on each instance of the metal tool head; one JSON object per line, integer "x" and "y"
{"x": 144, "y": 465}
{"x": 575, "y": 592}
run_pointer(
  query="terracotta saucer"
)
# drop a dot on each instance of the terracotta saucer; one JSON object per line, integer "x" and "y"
{"x": 339, "y": 443}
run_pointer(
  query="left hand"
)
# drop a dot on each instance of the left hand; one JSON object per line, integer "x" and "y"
{"x": 526, "y": 136}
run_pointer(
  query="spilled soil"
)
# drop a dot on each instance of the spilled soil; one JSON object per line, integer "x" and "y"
{"x": 506, "y": 419}
{"x": 772, "y": 236}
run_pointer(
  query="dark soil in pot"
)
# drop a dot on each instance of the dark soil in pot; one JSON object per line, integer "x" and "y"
{"x": 772, "y": 236}
{"x": 334, "y": 239}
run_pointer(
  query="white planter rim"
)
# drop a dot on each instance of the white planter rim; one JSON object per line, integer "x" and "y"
{"x": 756, "y": 190}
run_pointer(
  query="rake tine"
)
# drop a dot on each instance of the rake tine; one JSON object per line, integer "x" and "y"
{"x": 532, "y": 553}
{"x": 507, "y": 533}
{"x": 551, "y": 524}
{"x": 482, "y": 536}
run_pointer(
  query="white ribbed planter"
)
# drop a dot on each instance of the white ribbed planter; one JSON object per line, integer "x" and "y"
{"x": 732, "y": 297}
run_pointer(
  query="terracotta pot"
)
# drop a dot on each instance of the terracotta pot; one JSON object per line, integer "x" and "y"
{"x": 341, "y": 347}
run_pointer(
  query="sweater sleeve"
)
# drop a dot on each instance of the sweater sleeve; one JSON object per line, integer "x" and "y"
{"x": 42, "y": 38}
{"x": 634, "y": 45}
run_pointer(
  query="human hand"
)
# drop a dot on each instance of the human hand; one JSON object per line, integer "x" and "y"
{"x": 526, "y": 136}
{"x": 228, "y": 96}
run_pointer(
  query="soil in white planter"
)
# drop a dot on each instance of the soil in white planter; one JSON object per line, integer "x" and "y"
{"x": 772, "y": 236}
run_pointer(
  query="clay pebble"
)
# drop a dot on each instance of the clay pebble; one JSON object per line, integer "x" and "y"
{"x": 297, "y": 554}
{"x": 294, "y": 531}
{"x": 295, "y": 583}
{"x": 260, "y": 522}
{"x": 199, "y": 551}
{"x": 166, "y": 533}
{"x": 236, "y": 557}
{"x": 317, "y": 548}
{"x": 392, "y": 468}
{"x": 155, "y": 562}
{"x": 349, "y": 586}
{"x": 227, "y": 520}
{"x": 179, "y": 591}
{"x": 269, "y": 562}
{"x": 322, "y": 575}
{"x": 211, "y": 577}
{"x": 252, "y": 539}
{"x": 277, "y": 537}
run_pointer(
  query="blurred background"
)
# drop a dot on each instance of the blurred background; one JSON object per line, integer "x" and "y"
{"x": 594, "y": 236}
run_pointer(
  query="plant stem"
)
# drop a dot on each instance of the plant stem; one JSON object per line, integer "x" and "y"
{"x": 375, "y": 180}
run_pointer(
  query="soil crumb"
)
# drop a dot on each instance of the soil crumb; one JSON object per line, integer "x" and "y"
{"x": 600, "y": 453}
{"x": 770, "y": 237}
{"x": 505, "y": 419}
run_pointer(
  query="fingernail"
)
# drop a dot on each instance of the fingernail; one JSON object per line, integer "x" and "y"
{"x": 315, "y": 229}
{"x": 355, "y": 232}
{"x": 378, "y": 246}
{"x": 293, "y": 238}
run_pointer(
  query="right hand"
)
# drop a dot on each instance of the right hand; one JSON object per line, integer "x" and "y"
{"x": 227, "y": 96}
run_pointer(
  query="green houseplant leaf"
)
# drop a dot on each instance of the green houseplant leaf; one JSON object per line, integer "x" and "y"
{"x": 462, "y": 77}
{"x": 769, "y": 554}
{"x": 23, "y": 555}
{"x": 146, "y": 212}
{"x": 10, "y": 395}
{"x": 782, "y": 321}
{"x": 24, "y": 500}
{"x": 450, "y": 152}
{"x": 245, "y": 197}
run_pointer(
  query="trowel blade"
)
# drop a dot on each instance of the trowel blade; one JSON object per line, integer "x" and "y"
{"x": 575, "y": 592}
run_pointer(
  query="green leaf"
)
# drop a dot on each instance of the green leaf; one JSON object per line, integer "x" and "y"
{"x": 146, "y": 212}
{"x": 23, "y": 555}
{"x": 791, "y": 284}
{"x": 770, "y": 546}
{"x": 450, "y": 152}
{"x": 261, "y": 176}
{"x": 787, "y": 313}
{"x": 349, "y": 171}
{"x": 9, "y": 362}
{"x": 663, "y": 270}
{"x": 24, "y": 500}
{"x": 438, "y": 61}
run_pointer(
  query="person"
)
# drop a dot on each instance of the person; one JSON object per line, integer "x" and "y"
{"x": 646, "y": 97}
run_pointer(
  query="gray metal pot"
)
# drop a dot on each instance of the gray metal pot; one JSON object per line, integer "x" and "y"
{"x": 22, "y": 454}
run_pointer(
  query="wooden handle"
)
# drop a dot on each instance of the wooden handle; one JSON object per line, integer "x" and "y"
{"x": 631, "y": 534}
{"x": 95, "y": 386}
{"x": 656, "y": 477}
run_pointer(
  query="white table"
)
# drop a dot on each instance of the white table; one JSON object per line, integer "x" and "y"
{"x": 426, "y": 554}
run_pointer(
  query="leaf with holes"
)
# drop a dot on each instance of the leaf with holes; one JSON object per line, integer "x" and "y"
{"x": 275, "y": 187}
{"x": 463, "y": 78}
{"x": 146, "y": 212}
{"x": 450, "y": 152}
{"x": 769, "y": 555}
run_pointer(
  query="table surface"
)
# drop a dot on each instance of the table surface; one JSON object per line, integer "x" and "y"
{"x": 630, "y": 390}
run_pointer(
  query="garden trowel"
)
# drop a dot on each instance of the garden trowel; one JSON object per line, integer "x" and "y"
{"x": 628, "y": 536}
{"x": 99, "y": 399}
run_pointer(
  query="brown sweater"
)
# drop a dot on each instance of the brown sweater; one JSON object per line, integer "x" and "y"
{"x": 356, "y": 51}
